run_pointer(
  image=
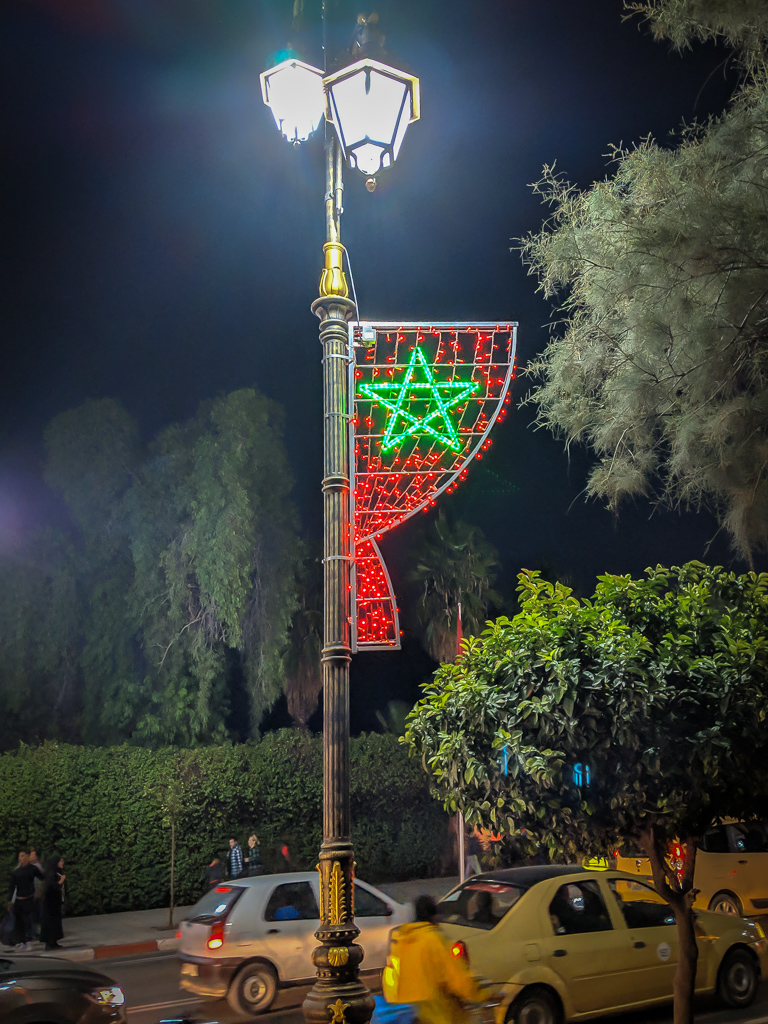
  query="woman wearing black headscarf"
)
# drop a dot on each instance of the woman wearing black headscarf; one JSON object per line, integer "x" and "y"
{"x": 53, "y": 897}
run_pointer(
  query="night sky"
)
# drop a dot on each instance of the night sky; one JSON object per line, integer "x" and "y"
{"x": 162, "y": 243}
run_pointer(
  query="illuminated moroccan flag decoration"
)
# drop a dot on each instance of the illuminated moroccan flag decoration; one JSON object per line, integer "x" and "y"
{"x": 425, "y": 399}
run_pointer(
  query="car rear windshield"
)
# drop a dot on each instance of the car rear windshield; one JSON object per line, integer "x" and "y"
{"x": 216, "y": 904}
{"x": 479, "y": 904}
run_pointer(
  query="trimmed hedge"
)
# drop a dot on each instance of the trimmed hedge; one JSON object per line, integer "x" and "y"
{"x": 90, "y": 804}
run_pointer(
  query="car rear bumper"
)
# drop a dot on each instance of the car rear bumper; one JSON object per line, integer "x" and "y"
{"x": 209, "y": 979}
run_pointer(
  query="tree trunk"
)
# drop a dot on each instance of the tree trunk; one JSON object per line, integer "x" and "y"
{"x": 680, "y": 894}
{"x": 685, "y": 975}
{"x": 173, "y": 871}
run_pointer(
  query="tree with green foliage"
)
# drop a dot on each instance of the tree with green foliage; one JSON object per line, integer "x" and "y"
{"x": 394, "y": 719}
{"x": 41, "y": 625}
{"x": 213, "y": 540}
{"x": 453, "y": 565}
{"x": 659, "y": 362}
{"x": 659, "y": 685}
{"x": 93, "y": 457}
{"x": 172, "y": 595}
{"x": 301, "y": 658}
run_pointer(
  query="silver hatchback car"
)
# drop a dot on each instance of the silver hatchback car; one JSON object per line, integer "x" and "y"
{"x": 247, "y": 938}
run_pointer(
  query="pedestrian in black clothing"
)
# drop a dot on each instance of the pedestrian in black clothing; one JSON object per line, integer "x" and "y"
{"x": 53, "y": 898}
{"x": 214, "y": 872}
{"x": 283, "y": 858}
{"x": 253, "y": 864}
{"x": 21, "y": 899}
{"x": 39, "y": 886}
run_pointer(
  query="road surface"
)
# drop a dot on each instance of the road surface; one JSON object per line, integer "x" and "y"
{"x": 151, "y": 985}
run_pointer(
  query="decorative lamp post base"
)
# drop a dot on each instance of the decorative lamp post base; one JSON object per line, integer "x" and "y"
{"x": 338, "y": 996}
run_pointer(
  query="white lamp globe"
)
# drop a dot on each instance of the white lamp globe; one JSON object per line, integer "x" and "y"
{"x": 371, "y": 106}
{"x": 293, "y": 91}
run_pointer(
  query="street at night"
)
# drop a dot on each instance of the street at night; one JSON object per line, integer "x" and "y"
{"x": 384, "y": 503}
{"x": 152, "y": 994}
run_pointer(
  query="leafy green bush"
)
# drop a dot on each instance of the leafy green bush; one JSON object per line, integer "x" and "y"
{"x": 93, "y": 805}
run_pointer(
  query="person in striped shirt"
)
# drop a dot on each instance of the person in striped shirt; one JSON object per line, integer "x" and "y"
{"x": 235, "y": 859}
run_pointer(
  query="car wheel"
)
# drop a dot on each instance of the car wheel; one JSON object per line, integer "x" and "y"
{"x": 725, "y": 903}
{"x": 253, "y": 989}
{"x": 535, "y": 1005}
{"x": 738, "y": 978}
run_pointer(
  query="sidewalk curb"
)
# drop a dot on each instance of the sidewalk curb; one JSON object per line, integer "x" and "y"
{"x": 83, "y": 953}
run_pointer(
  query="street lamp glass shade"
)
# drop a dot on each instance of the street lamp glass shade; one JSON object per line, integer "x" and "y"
{"x": 371, "y": 105}
{"x": 293, "y": 91}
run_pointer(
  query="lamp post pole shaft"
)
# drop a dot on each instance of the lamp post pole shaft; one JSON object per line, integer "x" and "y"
{"x": 338, "y": 996}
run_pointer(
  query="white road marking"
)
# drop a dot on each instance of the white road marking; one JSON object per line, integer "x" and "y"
{"x": 162, "y": 1006}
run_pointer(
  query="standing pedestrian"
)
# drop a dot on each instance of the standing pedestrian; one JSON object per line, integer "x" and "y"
{"x": 39, "y": 886}
{"x": 235, "y": 859}
{"x": 283, "y": 857}
{"x": 214, "y": 873}
{"x": 253, "y": 857}
{"x": 21, "y": 899}
{"x": 51, "y": 929}
{"x": 474, "y": 849}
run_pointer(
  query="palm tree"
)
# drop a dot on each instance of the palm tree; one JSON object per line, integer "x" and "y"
{"x": 455, "y": 565}
{"x": 301, "y": 659}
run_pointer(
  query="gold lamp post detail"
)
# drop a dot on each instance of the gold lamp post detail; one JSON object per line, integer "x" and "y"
{"x": 370, "y": 105}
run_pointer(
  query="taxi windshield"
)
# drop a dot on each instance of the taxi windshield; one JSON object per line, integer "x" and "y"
{"x": 479, "y": 904}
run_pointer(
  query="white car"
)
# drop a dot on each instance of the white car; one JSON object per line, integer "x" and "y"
{"x": 247, "y": 938}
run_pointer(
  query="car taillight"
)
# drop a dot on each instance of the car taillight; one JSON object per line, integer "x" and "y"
{"x": 216, "y": 938}
{"x": 178, "y": 934}
{"x": 459, "y": 951}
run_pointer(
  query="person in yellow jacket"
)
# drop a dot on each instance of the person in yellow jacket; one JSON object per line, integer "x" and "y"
{"x": 421, "y": 971}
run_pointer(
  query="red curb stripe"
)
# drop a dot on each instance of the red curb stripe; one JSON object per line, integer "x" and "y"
{"x": 104, "y": 952}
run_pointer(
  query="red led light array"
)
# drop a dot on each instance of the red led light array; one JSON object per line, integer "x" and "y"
{"x": 425, "y": 399}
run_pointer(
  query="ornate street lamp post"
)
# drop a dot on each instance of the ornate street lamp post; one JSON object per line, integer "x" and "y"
{"x": 370, "y": 106}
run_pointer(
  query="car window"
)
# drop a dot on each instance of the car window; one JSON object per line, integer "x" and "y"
{"x": 715, "y": 840}
{"x": 368, "y": 905}
{"x": 630, "y": 850}
{"x": 292, "y": 901}
{"x": 479, "y": 904}
{"x": 641, "y": 906}
{"x": 216, "y": 903}
{"x": 579, "y": 907}
{"x": 747, "y": 837}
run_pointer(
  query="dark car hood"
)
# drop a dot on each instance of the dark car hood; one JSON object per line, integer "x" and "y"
{"x": 51, "y": 966}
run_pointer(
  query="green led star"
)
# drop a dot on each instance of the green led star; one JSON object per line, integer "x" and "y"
{"x": 444, "y": 396}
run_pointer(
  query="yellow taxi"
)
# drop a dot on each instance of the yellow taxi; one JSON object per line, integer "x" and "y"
{"x": 562, "y": 943}
{"x": 731, "y": 868}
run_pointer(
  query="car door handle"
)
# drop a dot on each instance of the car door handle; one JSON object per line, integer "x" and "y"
{"x": 560, "y": 952}
{"x": 743, "y": 862}
{"x": 639, "y": 945}
{"x": 273, "y": 931}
